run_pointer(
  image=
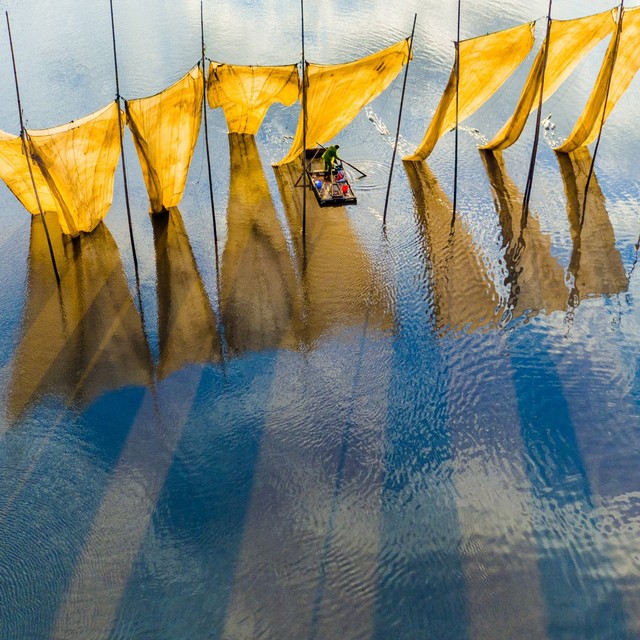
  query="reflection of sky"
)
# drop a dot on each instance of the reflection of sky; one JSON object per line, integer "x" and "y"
{"x": 64, "y": 58}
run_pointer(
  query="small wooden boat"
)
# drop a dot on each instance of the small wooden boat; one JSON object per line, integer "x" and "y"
{"x": 330, "y": 191}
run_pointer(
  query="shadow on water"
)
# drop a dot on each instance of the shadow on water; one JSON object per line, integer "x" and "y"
{"x": 421, "y": 579}
{"x": 200, "y": 516}
{"x": 187, "y": 338}
{"x": 87, "y": 338}
{"x": 310, "y": 540}
{"x": 84, "y": 348}
{"x": 576, "y": 573}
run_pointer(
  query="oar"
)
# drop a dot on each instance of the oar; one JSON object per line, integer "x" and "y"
{"x": 362, "y": 173}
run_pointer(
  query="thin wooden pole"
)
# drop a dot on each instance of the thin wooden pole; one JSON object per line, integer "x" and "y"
{"x": 304, "y": 129}
{"x": 26, "y": 150}
{"x": 604, "y": 113}
{"x": 455, "y": 157}
{"x": 120, "y": 129}
{"x": 220, "y": 328}
{"x": 206, "y": 132}
{"x": 395, "y": 146}
{"x": 536, "y": 138}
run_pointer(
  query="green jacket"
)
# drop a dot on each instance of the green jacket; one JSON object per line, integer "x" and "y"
{"x": 330, "y": 153}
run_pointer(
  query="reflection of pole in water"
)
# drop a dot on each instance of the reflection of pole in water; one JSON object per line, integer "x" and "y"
{"x": 100, "y": 343}
{"x": 535, "y": 278}
{"x": 464, "y": 295}
{"x": 596, "y": 264}
{"x": 124, "y": 166}
{"x": 187, "y": 326}
{"x": 259, "y": 302}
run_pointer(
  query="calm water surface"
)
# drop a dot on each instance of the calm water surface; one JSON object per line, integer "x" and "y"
{"x": 418, "y": 434}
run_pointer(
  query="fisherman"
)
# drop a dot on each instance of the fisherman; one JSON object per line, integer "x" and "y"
{"x": 329, "y": 157}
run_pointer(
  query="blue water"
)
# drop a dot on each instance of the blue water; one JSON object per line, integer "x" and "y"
{"x": 403, "y": 434}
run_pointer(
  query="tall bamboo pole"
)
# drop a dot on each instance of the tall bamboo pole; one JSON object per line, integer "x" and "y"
{"x": 206, "y": 131}
{"x": 27, "y": 153}
{"x": 395, "y": 146}
{"x": 536, "y": 138}
{"x": 120, "y": 129}
{"x": 304, "y": 129}
{"x": 455, "y": 158}
{"x": 604, "y": 112}
{"x": 219, "y": 327}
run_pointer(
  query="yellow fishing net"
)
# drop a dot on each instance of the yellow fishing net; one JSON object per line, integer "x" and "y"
{"x": 14, "y": 171}
{"x": 336, "y": 93}
{"x": 78, "y": 161}
{"x": 569, "y": 42}
{"x": 246, "y": 93}
{"x": 165, "y": 131}
{"x": 621, "y": 72}
{"x": 485, "y": 64}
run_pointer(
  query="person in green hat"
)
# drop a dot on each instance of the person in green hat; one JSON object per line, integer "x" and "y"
{"x": 329, "y": 157}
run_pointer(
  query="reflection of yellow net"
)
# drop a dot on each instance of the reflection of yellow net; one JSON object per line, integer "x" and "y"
{"x": 84, "y": 339}
{"x": 569, "y": 42}
{"x": 245, "y": 93}
{"x": 78, "y": 161}
{"x": 464, "y": 295}
{"x": 485, "y": 64}
{"x": 165, "y": 131}
{"x": 621, "y": 72}
{"x": 259, "y": 298}
{"x": 341, "y": 289}
{"x": 187, "y": 327}
{"x": 535, "y": 277}
{"x": 336, "y": 93}
{"x": 15, "y": 173}
{"x": 595, "y": 263}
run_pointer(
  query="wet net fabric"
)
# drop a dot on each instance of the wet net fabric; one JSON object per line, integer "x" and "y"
{"x": 569, "y": 42}
{"x": 165, "y": 130}
{"x": 619, "y": 68}
{"x": 78, "y": 161}
{"x": 485, "y": 64}
{"x": 14, "y": 171}
{"x": 246, "y": 93}
{"x": 336, "y": 93}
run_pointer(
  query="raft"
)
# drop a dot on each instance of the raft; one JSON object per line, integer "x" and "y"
{"x": 333, "y": 191}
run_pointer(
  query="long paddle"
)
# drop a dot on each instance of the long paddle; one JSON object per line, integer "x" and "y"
{"x": 362, "y": 173}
